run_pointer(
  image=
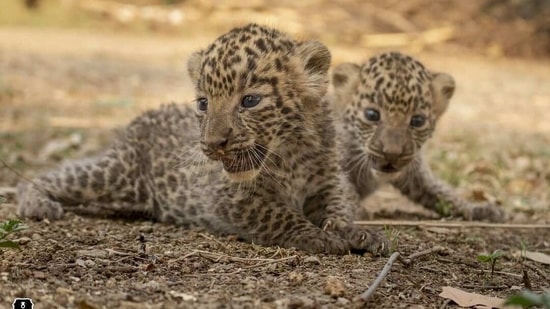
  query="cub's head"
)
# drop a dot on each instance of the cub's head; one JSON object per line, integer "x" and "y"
{"x": 254, "y": 87}
{"x": 392, "y": 104}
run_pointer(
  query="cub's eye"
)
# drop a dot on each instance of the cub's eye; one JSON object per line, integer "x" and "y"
{"x": 202, "y": 104}
{"x": 372, "y": 114}
{"x": 250, "y": 101}
{"x": 418, "y": 121}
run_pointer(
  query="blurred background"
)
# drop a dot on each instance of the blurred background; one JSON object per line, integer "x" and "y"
{"x": 72, "y": 72}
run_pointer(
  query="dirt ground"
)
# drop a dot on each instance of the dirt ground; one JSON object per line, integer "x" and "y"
{"x": 64, "y": 92}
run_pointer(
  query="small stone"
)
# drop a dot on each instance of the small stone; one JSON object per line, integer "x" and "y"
{"x": 39, "y": 275}
{"x": 89, "y": 263}
{"x": 334, "y": 287}
{"x": 61, "y": 290}
{"x": 80, "y": 262}
{"x": 145, "y": 229}
{"x": 295, "y": 278}
{"x": 312, "y": 260}
{"x": 343, "y": 301}
{"x": 183, "y": 296}
{"x": 282, "y": 303}
{"x": 23, "y": 240}
{"x": 36, "y": 236}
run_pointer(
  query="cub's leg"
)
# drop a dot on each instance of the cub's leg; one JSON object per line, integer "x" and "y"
{"x": 333, "y": 210}
{"x": 265, "y": 221}
{"x": 106, "y": 179}
{"x": 421, "y": 186}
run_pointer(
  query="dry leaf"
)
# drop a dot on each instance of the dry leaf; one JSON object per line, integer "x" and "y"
{"x": 538, "y": 257}
{"x": 465, "y": 299}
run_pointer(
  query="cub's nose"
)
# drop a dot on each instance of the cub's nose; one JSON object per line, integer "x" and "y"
{"x": 217, "y": 141}
{"x": 392, "y": 154}
{"x": 218, "y": 145}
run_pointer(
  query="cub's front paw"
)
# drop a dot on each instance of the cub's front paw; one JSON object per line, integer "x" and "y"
{"x": 486, "y": 212}
{"x": 362, "y": 238}
{"x": 319, "y": 241}
{"x": 32, "y": 203}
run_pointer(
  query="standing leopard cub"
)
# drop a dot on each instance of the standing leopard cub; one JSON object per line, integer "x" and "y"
{"x": 392, "y": 103}
{"x": 266, "y": 168}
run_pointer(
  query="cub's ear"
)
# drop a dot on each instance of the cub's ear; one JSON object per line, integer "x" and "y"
{"x": 345, "y": 77}
{"x": 194, "y": 66}
{"x": 315, "y": 60}
{"x": 443, "y": 88}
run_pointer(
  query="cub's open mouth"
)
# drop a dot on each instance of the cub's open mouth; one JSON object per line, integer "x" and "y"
{"x": 386, "y": 168}
{"x": 244, "y": 160}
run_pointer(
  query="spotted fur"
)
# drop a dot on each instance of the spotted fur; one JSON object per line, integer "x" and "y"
{"x": 392, "y": 104}
{"x": 256, "y": 157}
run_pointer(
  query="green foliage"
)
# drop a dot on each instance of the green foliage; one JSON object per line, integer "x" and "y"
{"x": 393, "y": 236}
{"x": 529, "y": 299}
{"x": 443, "y": 208}
{"x": 7, "y": 228}
{"x": 491, "y": 258}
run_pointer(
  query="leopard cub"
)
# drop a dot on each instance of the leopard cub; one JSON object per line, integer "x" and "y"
{"x": 391, "y": 106}
{"x": 256, "y": 156}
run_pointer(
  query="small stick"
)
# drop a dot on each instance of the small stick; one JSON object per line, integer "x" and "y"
{"x": 214, "y": 240}
{"x": 119, "y": 252}
{"x": 455, "y": 224}
{"x": 8, "y": 190}
{"x": 271, "y": 262}
{"x": 485, "y": 287}
{"x": 408, "y": 260}
{"x": 370, "y": 291}
{"x": 474, "y": 266}
{"x": 445, "y": 303}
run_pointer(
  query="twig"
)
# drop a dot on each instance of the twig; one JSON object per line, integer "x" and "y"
{"x": 408, "y": 260}
{"x": 370, "y": 291}
{"x": 449, "y": 261}
{"x": 474, "y": 266}
{"x": 216, "y": 257}
{"x": 445, "y": 303}
{"x": 455, "y": 224}
{"x": 119, "y": 252}
{"x": 272, "y": 261}
{"x": 8, "y": 190}
{"x": 485, "y": 287}
{"x": 214, "y": 240}
{"x": 15, "y": 172}
{"x": 433, "y": 270}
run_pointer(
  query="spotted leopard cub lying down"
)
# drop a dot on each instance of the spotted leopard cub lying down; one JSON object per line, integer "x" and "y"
{"x": 392, "y": 103}
{"x": 269, "y": 171}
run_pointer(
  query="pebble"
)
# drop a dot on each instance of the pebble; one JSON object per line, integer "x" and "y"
{"x": 343, "y": 301}
{"x": 334, "y": 287}
{"x": 295, "y": 278}
{"x": 145, "y": 229}
{"x": 312, "y": 260}
{"x": 23, "y": 240}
